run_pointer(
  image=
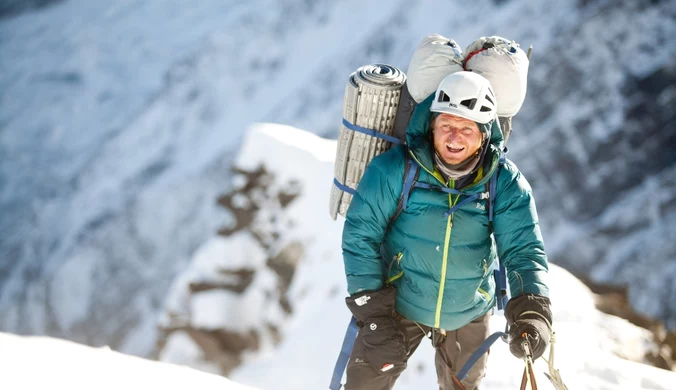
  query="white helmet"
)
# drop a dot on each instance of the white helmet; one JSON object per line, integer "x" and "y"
{"x": 467, "y": 95}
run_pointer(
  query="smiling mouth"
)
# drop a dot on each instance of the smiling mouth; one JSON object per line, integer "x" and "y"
{"x": 454, "y": 150}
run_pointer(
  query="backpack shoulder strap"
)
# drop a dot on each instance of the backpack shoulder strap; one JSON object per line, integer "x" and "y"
{"x": 411, "y": 174}
{"x": 501, "y": 273}
{"x": 492, "y": 189}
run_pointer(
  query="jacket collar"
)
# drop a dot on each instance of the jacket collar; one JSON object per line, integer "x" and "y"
{"x": 420, "y": 146}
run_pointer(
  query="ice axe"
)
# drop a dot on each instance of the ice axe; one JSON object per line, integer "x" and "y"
{"x": 528, "y": 373}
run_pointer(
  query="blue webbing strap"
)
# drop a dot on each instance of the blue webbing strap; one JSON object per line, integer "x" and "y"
{"x": 345, "y": 351}
{"x": 464, "y": 202}
{"x": 452, "y": 191}
{"x": 370, "y": 132}
{"x": 483, "y": 348}
{"x": 501, "y": 282}
{"x": 500, "y": 274}
{"x": 408, "y": 182}
{"x": 366, "y": 131}
{"x": 447, "y": 190}
{"x": 343, "y": 187}
{"x": 493, "y": 185}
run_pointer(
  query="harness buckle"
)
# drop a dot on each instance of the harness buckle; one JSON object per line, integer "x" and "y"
{"x": 438, "y": 337}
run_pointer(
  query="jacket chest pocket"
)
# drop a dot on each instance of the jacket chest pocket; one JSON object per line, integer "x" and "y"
{"x": 470, "y": 223}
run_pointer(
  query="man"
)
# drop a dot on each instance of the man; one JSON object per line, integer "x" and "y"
{"x": 428, "y": 270}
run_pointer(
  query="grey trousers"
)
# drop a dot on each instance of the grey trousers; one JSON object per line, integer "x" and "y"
{"x": 449, "y": 357}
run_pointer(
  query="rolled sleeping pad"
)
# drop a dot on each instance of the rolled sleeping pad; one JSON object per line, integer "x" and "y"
{"x": 370, "y": 104}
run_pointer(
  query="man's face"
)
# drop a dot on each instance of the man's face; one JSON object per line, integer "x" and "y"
{"x": 456, "y": 138}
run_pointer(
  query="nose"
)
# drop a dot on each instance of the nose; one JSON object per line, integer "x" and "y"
{"x": 454, "y": 134}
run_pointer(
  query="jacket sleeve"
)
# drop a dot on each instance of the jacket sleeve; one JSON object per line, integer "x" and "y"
{"x": 517, "y": 234}
{"x": 365, "y": 224}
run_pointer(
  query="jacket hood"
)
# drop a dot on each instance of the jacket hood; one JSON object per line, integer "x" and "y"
{"x": 419, "y": 139}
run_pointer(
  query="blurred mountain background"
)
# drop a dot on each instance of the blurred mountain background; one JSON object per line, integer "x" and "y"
{"x": 120, "y": 122}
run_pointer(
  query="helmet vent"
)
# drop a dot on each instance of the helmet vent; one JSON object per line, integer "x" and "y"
{"x": 467, "y": 95}
{"x": 469, "y": 103}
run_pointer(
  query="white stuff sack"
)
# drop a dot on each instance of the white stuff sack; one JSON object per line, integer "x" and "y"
{"x": 435, "y": 58}
{"x": 505, "y": 65}
{"x": 371, "y": 100}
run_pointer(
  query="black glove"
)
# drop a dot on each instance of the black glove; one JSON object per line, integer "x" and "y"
{"x": 522, "y": 320}
{"x": 383, "y": 340}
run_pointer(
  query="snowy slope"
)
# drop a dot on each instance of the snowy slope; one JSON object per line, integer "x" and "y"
{"x": 33, "y": 363}
{"x": 257, "y": 312}
{"x": 119, "y": 122}
{"x": 588, "y": 342}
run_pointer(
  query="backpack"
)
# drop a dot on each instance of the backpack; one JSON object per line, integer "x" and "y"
{"x": 505, "y": 65}
{"x": 493, "y": 58}
{"x": 380, "y": 99}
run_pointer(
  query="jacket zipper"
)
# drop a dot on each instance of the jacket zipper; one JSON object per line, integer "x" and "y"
{"x": 447, "y": 242}
{"x": 444, "y": 261}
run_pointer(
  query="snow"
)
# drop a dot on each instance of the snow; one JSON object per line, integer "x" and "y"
{"x": 181, "y": 349}
{"x": 70, "y": 290}
{"x": 143, "y": 337}
{"x": 241, "y": 250}
{"x": 34, "y": 363}
{"x": 219, "y": 308}
{"x": 292, "y": 152}
{"x": 588, "y": 342}
{"x": 120, "y": 121}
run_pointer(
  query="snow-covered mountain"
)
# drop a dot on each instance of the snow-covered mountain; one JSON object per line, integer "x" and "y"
{"x": 119, "y": 122}
{"x": 232, "y": 306}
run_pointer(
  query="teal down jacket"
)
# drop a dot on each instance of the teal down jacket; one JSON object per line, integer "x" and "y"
{"x": 442, "y": 267}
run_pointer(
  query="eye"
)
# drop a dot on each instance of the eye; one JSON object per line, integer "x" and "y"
{"x": 467, "y": 131}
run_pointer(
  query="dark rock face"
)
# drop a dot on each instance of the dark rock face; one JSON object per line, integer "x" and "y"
{"x": 651, "y": 120}
{"x": 597, "y": 141}
{"x": 257, "y": 207}
{"x": 614, "y": 300}
{"x": 244, "y": 278}
{"x": 639, "y": 148}
{"x": 10, "y": 8}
